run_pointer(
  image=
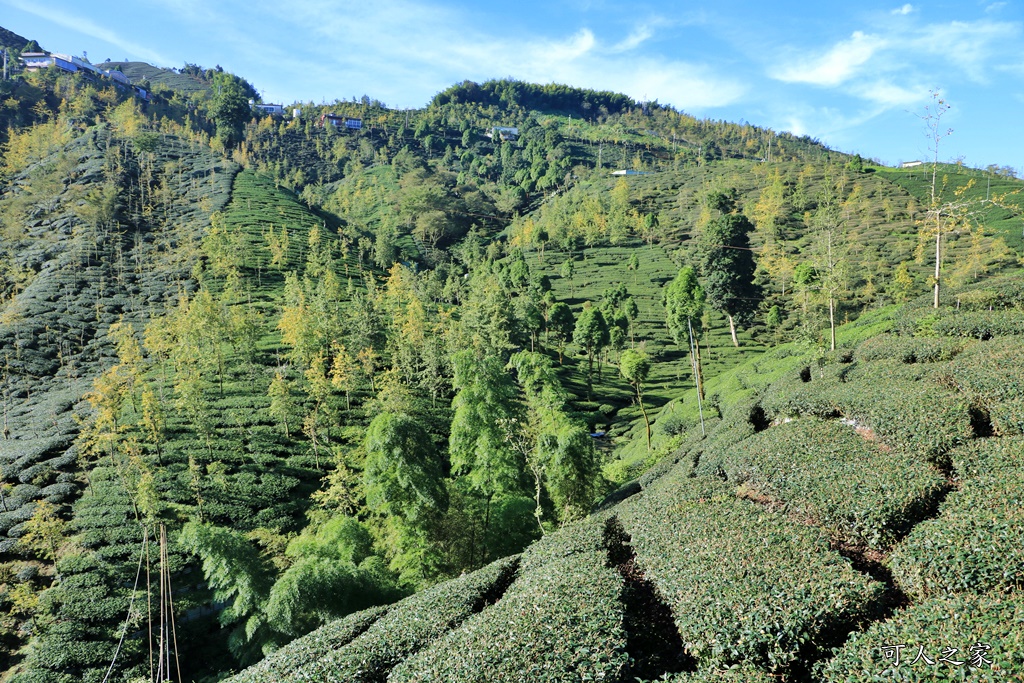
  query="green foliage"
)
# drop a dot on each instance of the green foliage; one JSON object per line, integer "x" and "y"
{"x": 991, "y": 374}
{"x": 744, "y": 584}
{"x": 239, "y": 577}
{"x": 909, "y": 349}
{"x": 981, "y": 324}
{"x": 975, "y": 545}
{"x": 477, "y": 445}
{"x": 283, "y": 663}
{"x": 796, "y": 466}
{"x": 957, "y": 622}
{"x": 726, "y": 261}
{"x": 409, "y": 626}
{"x": 565, "y": 619}
{"x": 684, "y": 305}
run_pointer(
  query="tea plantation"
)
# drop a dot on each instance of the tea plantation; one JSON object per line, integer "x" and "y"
{"x": 841, "y": 507}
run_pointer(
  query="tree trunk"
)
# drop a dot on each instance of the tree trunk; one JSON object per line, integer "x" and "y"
{"x": 732, "y": 331}
{"x": 938, "y": 261}
{"x": 647, "y": 420}
{"x": 832, "y": 320}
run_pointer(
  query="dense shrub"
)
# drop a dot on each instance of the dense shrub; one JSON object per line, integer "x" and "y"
{"x": 745, "y": 584}
{"x": 981, "y": 324}
{"x": 959, "y": 622}
{"x": 975, "y": 545}
{"x": 823, "y": 471}
{"x": 311, "y": 647}
{"x": 409, "y": 626}
{"x": 909, "y": 349}
{"x": 992, "y": 375}
{"x": 989, "y": 456}
{"x": 561, "y": 622}
{"x": 905, "y": 405}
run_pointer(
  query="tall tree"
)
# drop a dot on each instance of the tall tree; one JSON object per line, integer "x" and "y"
{"x": 404, "y": 485}
{"x": 591, "y": 335}
{"x": 684, "y": 308}
{"x": 727, "y": 262}
{"x": 485, "y": 400}
{"x": 635, "y": 367}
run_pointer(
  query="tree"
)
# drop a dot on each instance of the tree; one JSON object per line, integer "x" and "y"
{"x": 941, "y": 216}
{"x": 829, "y": 255}
{"x": 635, "y": 366}
{"x": 567, "y": 270}
{"x": 477, "y": 446}
{"x": 591, "y": 335}
{"x": 404, "y": 486}
{"x": 633, "y": 265}
{"x": 229, "y": 107}
{"x": 561, "y": 322}
{"x": 727, "y": 262}
{"x": 684, "y": 303}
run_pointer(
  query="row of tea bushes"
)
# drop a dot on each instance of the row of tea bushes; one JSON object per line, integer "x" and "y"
{"x": 311, "y": 647}
{"x": 746, "y": 585}
{"x": 976, "y": 544}
{"x": 561, "y": 622}
{"x": 799, "y": 464}
{"x": 909, "y": 349}
{"x": 904, "y": 405}
{"x": 992, "y": 374}
{"x": 952, "y": 638}
{"x": 981, "y": 324}
{"x": 409, "y": 626}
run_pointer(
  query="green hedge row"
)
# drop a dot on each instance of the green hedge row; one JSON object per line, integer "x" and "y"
{"x": 989, "y": 456}
{"x": 736, "y": 674}
{"x": 823, "y": 471}
{"x": 561, "y": 622}
{"x": 409, "y": 626}
{"x": 310, "y": 647}
{"x": 992, "y": 374}
{"x": 909, "y": 349}
{"x": 981, "y": 324}
{"x": 975, "y": 545}
{"x": 961, "y": 622}
{"x": 904, "y": 405}
{"x": 745, "y": 585}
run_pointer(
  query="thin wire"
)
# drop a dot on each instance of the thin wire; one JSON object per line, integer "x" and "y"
{"x": 128, "y": 618}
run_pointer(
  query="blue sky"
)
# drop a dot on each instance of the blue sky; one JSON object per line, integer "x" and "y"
{"x": 852, "y": 75}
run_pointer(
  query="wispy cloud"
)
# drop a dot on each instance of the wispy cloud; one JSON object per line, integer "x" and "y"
{"x": 903, "y": 11}
{"x": 835, "y": 66}
{"x": 89, "y": 28}
{"x": 417, "y": 49}
{"x": 639, "y": 36}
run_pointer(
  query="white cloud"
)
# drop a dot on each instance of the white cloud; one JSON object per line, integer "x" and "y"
{"x": 91, "y": 29}
{"x": 968, "y": 46}
{"x": 635, "y": 39}
{"x": 413, "y": 50}
{"x": 904, "y": 11}
{"x": 888, "y": 94}
{"x": 995, "y": 7}
{"x": 836, "y": 66}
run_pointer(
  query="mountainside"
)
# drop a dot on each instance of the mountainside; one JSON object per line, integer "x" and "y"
{"x": 404, "y": 400}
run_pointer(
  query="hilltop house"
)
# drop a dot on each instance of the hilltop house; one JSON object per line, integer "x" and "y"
{"x": 911, "y": 164}
{"x": 272, "y": 109}
{"x": 36, "y": 61}
{"x": 509, "y": 133}
{"x": 340, "y": 121}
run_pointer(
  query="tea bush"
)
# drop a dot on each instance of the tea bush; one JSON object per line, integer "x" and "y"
{"x": 959, "y": 622}
{"x": 745, "y": 585}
